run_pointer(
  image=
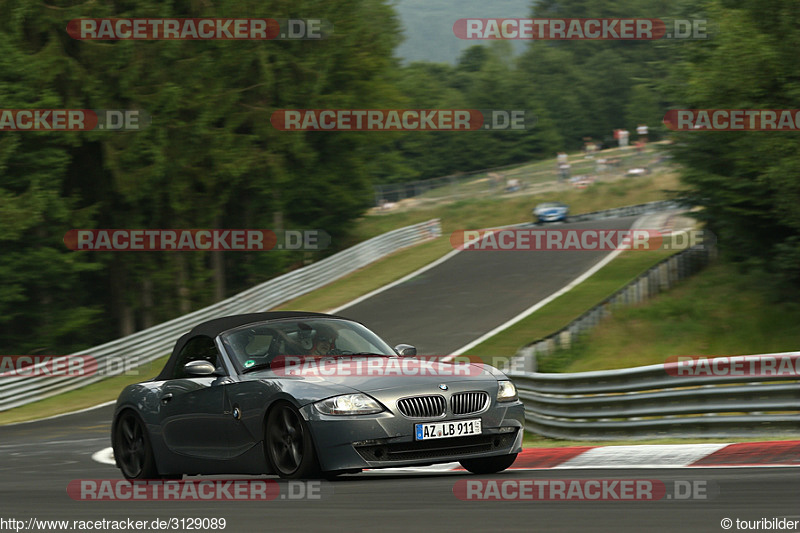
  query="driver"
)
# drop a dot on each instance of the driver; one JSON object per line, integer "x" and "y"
{"x": 324, "y": 341}
{"x": 239, "y": 342}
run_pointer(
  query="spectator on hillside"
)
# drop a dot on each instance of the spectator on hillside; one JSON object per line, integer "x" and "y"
{"x": 641, "y": 131}
{"x": 563, "y": 166}
{"x": 495, "y": 179}
{"x": 623, "y": 138}
{"x": 513, "y": 185}
{"x": 588, "y": 147}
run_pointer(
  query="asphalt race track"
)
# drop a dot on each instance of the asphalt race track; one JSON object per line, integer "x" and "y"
{"x": 41, "y": 458}
{"x": 454, "y": 303}
{"x": 469, "y": 295}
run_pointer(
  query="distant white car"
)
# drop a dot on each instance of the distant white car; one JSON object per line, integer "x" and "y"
{"x": 638, "y": 172}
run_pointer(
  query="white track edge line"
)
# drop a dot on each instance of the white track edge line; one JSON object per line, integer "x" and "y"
{"x": 105, "y": 456}
{"x": 535, "y": 307}
{"x": 105, "y": 404}
{"x": 396, "y": 282}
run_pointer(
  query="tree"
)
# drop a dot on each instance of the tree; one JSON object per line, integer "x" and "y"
{"x": 210, "y": 158}
{"x": 747, "y": 182}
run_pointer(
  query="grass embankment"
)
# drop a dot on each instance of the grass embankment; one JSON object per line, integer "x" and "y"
{"x": 487, "y": 211}
{"x": 538, "y": 173}
{"x": 719, "y": 311}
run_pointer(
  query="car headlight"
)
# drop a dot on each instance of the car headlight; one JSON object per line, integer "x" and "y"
{"x": 506, "y": 391}
{"x": 349, "y": 404}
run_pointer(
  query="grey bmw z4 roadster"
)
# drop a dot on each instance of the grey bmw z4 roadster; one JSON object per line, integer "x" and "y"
{"x": 306, "y": 395}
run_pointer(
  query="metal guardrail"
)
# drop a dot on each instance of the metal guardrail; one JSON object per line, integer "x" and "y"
{"x": 650, "y": 401}
{"x": 631, "y": 210}
{"x": 155, "y": 342}
{"x": 659, "y": 278}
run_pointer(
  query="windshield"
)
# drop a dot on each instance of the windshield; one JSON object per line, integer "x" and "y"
{"x": 257, "y": 345}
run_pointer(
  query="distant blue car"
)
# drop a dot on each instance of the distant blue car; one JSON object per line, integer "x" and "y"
{"x": 550, "y": 212}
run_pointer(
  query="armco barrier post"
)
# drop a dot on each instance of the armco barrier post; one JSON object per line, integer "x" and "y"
{"x": 565, "y": 339}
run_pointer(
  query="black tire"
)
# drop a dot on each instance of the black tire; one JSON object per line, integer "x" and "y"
{"x": 489, "y": 465}
{"x": 132, "y": 448}
{"x": 288, "y": 444}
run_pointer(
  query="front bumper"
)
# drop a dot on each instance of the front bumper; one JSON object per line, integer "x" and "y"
{"x": 387, "y": 439}
{"x": 551, "y": 218}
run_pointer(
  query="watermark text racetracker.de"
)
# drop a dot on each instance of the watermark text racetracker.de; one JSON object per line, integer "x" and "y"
{"x": 527, "y": 239}
{"x": 402, "y": 119}
{"x": 629, "y": 490}
{"x": 732, "y": 119}
{"x": 120, "y": 524}
{"x": 758, "y": 366}
{"x": 591, "y": 29}
{"x": 243, "y": 240}
{"x": 362, "y": 365}
{"x": 259, "y": 490}
{"x": 27, "y": 366}
{"x": 198, "y": 29}
{"x": 73, "y": 119}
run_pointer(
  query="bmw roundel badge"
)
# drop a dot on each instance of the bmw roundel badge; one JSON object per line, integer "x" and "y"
{"x": 443, "y": 386}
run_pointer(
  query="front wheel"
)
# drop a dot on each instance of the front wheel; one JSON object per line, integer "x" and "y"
{"x": 132, "y": 448}
{"x": 489, "y": 465}
{"x": 290, "y": 448}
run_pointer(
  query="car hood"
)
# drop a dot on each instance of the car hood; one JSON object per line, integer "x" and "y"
{"x": 372, "y": 374}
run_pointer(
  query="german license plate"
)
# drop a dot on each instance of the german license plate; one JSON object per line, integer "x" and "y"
{"x": 444, "y": 430}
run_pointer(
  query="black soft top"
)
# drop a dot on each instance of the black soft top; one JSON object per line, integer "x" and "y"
{"x": 215, "y": 326}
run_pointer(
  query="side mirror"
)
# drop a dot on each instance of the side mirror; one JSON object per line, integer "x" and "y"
{"x": 199, "y": 369}
{"x": 405, "y": 350}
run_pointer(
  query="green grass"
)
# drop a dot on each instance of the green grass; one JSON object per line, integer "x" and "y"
{"x": 719, "y": 311}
